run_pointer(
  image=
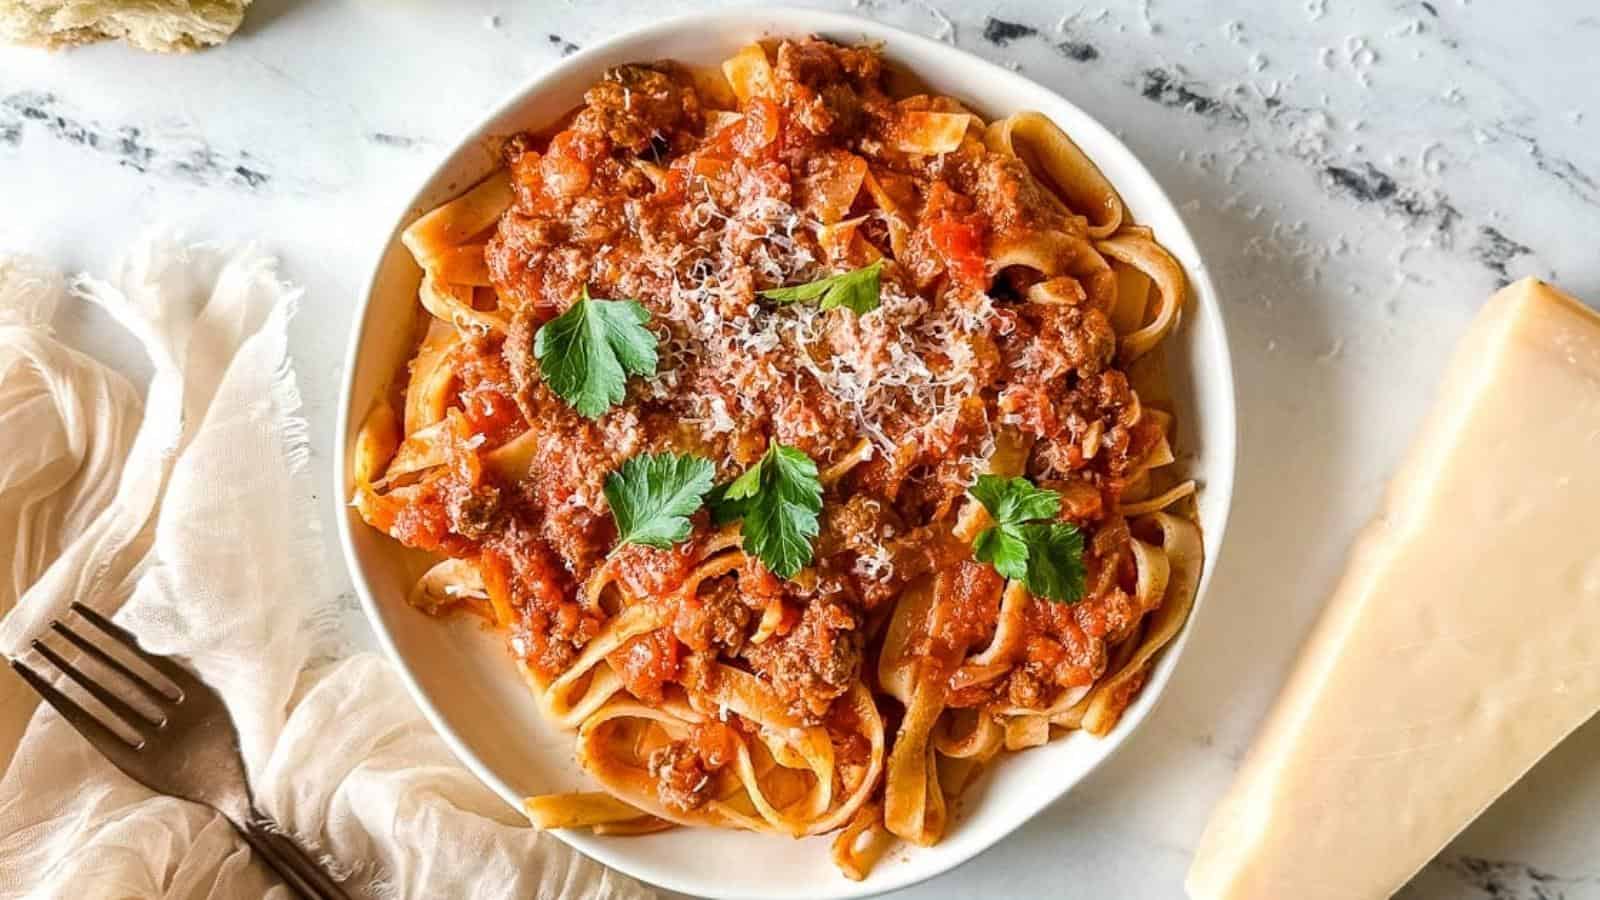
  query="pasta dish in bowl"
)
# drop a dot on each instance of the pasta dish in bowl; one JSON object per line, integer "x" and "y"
{"x": 806, "y": 440}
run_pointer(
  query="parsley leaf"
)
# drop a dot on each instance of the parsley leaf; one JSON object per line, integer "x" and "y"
{"x": 856, "y": 290}
{"x": 779, "y": 498}
{"x": 1012, "y": 501}
{"x": 1045, "y": 556}
{"x": 725, "y": 509}
{"x": 1055, "y": 561}
{"x": 652, "y": 497}
{"x": 587, "y": 353}
{"x": 1004, "y": 549}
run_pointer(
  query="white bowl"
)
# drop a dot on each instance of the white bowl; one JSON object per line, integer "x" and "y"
{"x": 461, "y": 675}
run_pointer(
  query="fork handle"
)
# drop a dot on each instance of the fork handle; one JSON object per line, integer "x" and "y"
{"x": 284, "y": 856}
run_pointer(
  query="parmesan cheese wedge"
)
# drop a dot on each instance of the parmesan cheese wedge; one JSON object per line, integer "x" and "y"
{"x": 1463, "y": 642}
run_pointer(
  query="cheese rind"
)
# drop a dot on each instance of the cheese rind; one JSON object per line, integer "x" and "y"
{"x": 1463, "y": 642}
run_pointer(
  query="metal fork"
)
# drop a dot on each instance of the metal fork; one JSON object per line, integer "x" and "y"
{"x": 188, "y": 749}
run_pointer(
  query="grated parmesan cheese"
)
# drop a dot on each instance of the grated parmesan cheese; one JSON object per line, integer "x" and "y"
{"x": 877, "y": 565}
{"x": 876, "y": 370}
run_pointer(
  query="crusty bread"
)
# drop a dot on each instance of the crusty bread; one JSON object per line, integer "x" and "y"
{"x": 163, "y": 26}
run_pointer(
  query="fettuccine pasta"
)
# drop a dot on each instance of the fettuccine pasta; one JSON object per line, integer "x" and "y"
{"x": 1007, "y": 320}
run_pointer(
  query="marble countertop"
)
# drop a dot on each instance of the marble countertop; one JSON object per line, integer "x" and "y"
{"x": 1360, "y": 174}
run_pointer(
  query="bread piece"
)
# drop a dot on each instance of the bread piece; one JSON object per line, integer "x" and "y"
{"x": 162, "y": 26}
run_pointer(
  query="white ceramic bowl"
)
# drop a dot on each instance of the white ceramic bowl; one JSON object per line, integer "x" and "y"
{"x": 461, "y": 675}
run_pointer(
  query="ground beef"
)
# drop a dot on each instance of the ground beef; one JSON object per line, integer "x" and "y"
{"x": 859, "y": 525}
{"x": 682, "y": 782}
{"x": 718, "y": 616}
{"x": 518, "y": 353}
{"x": 474, "y": 513}
{"x": 639, "y": 106}
{"x": 820, "y": 64}
{"x": 1072, "y": 338}
{"x": 1002, "y": 187}
{"x": 823, "y": 86}
{"x": 815, "y": 662}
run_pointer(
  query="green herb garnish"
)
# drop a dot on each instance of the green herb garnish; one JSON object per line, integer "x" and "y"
{"x": 1046, "y": 556}
{"x": 779, "y": 498}
{"x": 856, "y": 290}
{"x": 587, "y": 353}
{"x": 652, "y": 497}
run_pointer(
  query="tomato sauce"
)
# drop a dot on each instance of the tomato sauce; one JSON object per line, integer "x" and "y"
{"x": 647, "y": 193}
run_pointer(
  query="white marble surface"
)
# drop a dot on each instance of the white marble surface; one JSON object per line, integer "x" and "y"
{"x": 1359, "y": 175}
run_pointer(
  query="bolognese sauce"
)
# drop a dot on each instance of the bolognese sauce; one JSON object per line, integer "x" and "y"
{"x": 657, "y": 191}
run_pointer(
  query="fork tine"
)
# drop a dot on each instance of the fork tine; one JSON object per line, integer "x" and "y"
{"x": 119, "y": 707}
{"x": 167, "y": 667}
{"x": 87, "y": 725}
{"x": 111, "y": 662}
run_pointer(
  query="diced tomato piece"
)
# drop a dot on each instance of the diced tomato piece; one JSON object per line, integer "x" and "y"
{"x": 492, "y": 414}
{"x": 646, "y": 664}
{"x": 960, "y": 242}
{"x": 568, "y": 167}
{"x": 424, "y": 523}
{"x": 714, "y": 742}
{"x": 650, "y": 572}
{"x": 763, "y": 122}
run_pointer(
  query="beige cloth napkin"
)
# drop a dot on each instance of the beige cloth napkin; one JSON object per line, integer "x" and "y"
{"x": 193, "y": 519}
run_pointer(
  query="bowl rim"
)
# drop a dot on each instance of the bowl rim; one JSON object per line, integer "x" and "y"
{"x": 1222, "y": 446}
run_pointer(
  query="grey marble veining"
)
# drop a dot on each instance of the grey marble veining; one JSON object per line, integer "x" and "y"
{"x": 1359, "y": 176}
{"x": 128, "y": 145}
